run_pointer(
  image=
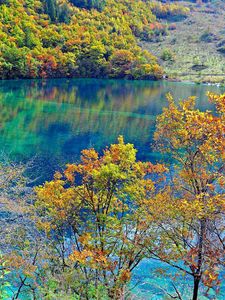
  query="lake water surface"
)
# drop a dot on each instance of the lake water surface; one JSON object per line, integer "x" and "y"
{"x": 51, "y": 121}
{"x": 54, "y": 120}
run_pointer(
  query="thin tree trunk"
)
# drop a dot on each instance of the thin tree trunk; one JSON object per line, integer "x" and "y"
{"x": 197, "y": 276}
{"x": 196, "y": 287}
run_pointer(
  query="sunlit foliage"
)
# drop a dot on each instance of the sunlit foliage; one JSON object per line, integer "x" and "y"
{"x": 99, "y": 206}
{"x": 190, "y": 213}
{"x": 54, "y": 38}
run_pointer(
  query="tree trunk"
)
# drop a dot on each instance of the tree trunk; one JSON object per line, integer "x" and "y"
{"x": 196, "y": 287}
{"x": 198, "y": 274}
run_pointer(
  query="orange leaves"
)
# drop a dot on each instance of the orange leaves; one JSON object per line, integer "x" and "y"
{"x": 69, "y": 172}
{"x": 211, "y": 273}
{"x": 96, "y": 259}
{"x": 89, "y": 155}
{"x": 55, "y": 201}
{"x": 85, "y": 239}
{"x": 210, "y": 278}
{"x": 200, "y": 136}
{"x": 156, "y": 26}
{"x": 48, "y": 65}
{"x": 191, "y": 258}
{"x": 221, "y": 181}
{"x": 17, "y": 262}
{"x": 157, "y": 168}
{"x": 121, "y": 63}
{"x": 125, "y": 276}
{"x": 191, "y": 212}
{"x": 80, "y": 257}
{"x": 219, "y": 100}
{"x": 105, "y": 200}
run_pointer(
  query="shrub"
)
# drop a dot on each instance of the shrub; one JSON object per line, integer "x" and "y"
{"x": 167, "y": 55}
{"x": 207, "y": 37}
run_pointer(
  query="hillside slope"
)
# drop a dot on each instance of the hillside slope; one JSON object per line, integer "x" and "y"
{"x": 194, "y": 48}
{"x": 79, "y": 38}
{"x": 130, "y": 39}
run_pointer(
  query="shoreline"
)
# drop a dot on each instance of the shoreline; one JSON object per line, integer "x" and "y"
{"x": 175, "y": 80}
{"x": 195, "y": 82}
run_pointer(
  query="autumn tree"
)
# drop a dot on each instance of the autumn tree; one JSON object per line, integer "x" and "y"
{"x": 94, "y": 210}
{"x": 190, "y": 212}
{"x": 121, "y": 63}
{"x": 55, "y": 38}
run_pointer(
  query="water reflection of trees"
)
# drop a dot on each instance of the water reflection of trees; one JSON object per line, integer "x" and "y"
{"x": 61, "y": 115}
{"x": 95, "y": 94}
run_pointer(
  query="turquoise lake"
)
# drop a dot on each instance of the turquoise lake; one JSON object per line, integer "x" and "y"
{"x": 51, "y": 121}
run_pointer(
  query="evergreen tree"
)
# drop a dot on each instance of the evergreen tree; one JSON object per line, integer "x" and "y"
{"x": 98, "y": 4}
{"x": 51, "y": 9}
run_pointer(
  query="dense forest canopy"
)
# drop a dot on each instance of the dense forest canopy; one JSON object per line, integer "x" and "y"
{"x": 60, "y": 38}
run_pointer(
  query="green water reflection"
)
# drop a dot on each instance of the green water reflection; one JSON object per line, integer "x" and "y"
{"x": 58, "y": 118}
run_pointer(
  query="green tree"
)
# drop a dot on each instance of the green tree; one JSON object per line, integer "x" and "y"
{"x": 13, "y": 63}
{"x": 51, "y": 9}
{"x": 98, "y": 4}
{"x": 92, "y": 62}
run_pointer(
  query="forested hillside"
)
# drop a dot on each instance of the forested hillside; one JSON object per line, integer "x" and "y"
{"x": 112, "y": 39}
{"x": 81, "y": 38}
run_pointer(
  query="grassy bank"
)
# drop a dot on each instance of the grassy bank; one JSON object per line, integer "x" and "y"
{"x": 194, "y": 48}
